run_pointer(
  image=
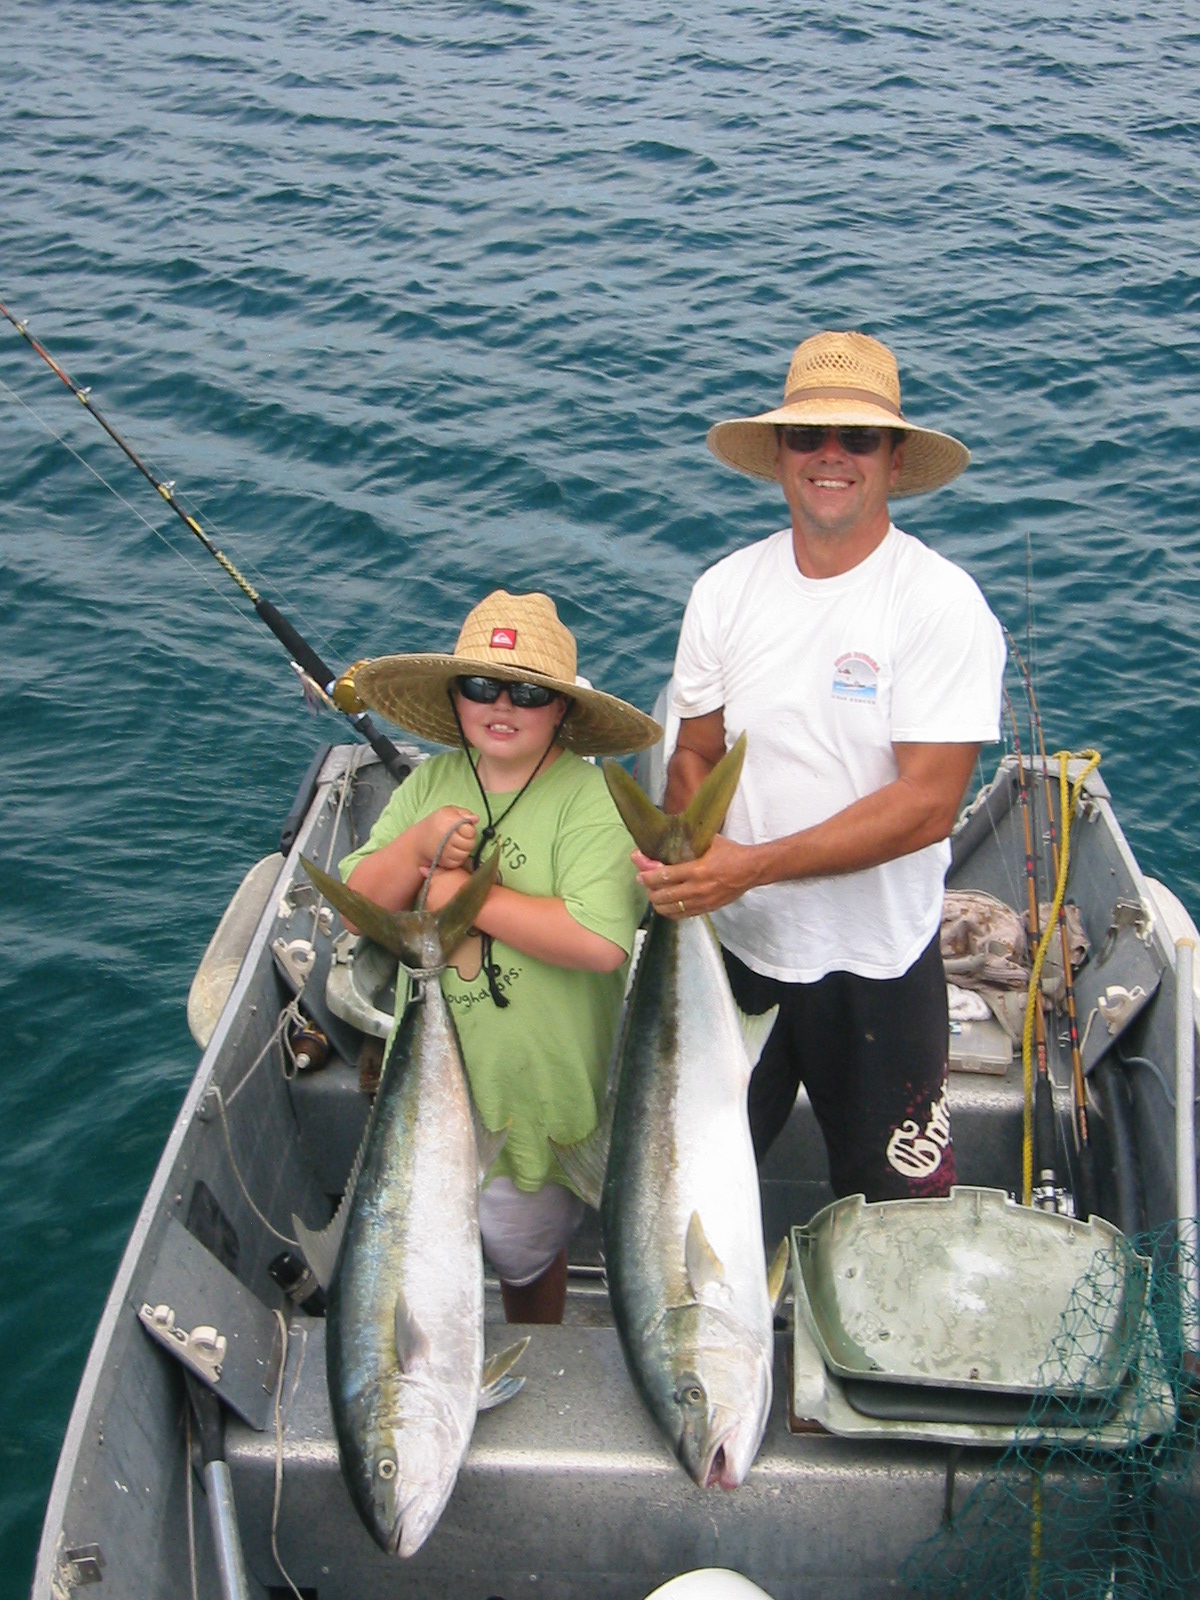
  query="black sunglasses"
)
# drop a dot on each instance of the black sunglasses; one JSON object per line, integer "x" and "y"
{"x": 486, "y": 691}
{"x": 807, "y": 437}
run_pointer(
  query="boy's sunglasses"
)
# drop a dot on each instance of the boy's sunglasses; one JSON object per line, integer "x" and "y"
{"x": 806, "y": 438}
{"x": 486, "y": 691}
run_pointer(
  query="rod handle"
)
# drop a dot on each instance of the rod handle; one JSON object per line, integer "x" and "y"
{"x": 305, "y": 656}
{"x": 1043, "y": 1124}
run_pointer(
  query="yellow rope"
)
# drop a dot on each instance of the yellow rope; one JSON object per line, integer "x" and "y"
{"x": 1035, "y": 1539}
{"x": 1066, "y": 811}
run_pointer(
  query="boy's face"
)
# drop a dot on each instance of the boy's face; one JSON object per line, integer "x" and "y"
{"x": 509, "y": 734}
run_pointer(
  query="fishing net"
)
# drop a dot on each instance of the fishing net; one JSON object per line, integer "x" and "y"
{"x": 1098, "y": 1498}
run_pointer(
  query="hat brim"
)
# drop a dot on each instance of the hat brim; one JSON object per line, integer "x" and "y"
{"x": 749, "y": 444}
{"x": 414, "y": 693}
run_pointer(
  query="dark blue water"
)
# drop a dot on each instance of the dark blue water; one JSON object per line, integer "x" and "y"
{"x": 415, "y": 300}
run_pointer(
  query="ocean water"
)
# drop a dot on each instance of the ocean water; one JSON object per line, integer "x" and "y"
{"x": 412, "y": 301}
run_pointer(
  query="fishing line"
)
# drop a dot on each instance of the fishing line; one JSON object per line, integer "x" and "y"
{"x": 204, "y": 576}
{"x": 190, "y": 503}
{"x": 339, "y": 693}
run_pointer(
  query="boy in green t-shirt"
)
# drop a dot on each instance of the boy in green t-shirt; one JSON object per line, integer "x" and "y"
{"x": 535, "y": 990}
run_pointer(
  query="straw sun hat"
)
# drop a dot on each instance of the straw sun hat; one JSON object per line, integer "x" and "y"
{"x": 848, "y": 379}
{"x": 519, "y": 638}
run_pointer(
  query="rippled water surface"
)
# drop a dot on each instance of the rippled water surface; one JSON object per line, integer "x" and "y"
{"x": 415, "y": 300}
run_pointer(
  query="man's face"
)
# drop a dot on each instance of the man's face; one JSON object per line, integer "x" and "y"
{"x": 833, "y": 492}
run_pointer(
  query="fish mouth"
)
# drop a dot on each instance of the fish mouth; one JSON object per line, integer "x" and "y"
{"x": 720, "y": 1472}
{"x": 410, "y": 1532}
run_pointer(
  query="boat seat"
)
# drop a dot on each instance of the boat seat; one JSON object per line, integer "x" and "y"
{"x": 573, "y": 1477}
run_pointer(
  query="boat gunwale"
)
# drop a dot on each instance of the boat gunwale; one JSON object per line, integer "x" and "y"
{"x": 340, "y": 761}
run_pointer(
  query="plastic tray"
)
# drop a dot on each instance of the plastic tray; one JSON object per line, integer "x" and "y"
{"x": 971, "y": 1292}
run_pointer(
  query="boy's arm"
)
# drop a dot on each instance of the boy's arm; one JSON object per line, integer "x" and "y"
{"x": 537, "y": 925}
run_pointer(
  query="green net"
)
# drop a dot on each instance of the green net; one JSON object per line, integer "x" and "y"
{"x": 1098, "y": 1498}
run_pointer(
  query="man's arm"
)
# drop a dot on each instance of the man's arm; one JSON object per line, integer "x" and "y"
{"x": 916, "y": 809}
{"x": 700, "y": 745}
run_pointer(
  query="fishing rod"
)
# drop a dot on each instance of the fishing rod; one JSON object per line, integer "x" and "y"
{"x": 1040, "y": 1135}
{"x": 304, "y": 657}
{"x": 1083, "y": 1141}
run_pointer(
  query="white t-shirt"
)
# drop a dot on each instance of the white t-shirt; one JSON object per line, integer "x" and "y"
{"x": 824, "y": 676}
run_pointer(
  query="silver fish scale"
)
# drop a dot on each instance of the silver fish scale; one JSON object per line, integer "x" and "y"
{"x": 413, "y": 1226}
{"x": 681, "y": 1145}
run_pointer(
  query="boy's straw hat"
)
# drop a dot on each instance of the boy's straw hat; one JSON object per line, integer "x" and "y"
{"x": 846, "y": 379}
{"x": 519, "y": 638}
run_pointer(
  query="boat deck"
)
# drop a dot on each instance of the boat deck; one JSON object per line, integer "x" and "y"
{"x": 568, "y": 1490}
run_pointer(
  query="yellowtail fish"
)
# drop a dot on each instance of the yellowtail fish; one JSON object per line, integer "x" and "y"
{"x": 679, "y": 1200}
{"x": 402, "y": 1259}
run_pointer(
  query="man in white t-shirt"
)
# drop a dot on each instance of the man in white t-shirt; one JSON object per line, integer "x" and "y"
{"x": 866, "y": 672}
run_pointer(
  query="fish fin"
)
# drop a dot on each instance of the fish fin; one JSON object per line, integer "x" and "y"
{"x": 392, "y": 929}
{"x": 412, "y": 1345}
{"x": 488, "y": 1143}
{"x": 777, "y": 1275}
{"x": 457, "y": 915}
{"x": 706, "y": 810}
{"x": 756, "y": 1031}
{"x": 655, "y": 834}
{"x": 704, "y": 1267}
{"x": 495, "y": 1394}
{"x": 677, "y": 838}
{"x": 586, "y": 1161}
{"x": 321, "y": 1249}
{"x": 496, "y": 1368}
{"x": 400, "y": 931}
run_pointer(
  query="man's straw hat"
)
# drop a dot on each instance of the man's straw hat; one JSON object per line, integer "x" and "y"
{"x": 846, "y": 379}
{"x": 519, "y": 638}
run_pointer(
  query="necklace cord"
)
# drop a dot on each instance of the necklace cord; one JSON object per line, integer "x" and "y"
{"x": 491, "y": 967}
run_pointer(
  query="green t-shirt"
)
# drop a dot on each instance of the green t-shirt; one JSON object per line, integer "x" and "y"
{"x": 540, "y": 1063}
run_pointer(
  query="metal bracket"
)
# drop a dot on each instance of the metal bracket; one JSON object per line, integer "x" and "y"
{"x": 83, "y": 1563}
{"x": 300, "y": 893}
{"x": 212, "y": 1324}
{"x": 1126, "y": 914}
{"x": 297, "y": 957}
{"x": 202, "y": 1350}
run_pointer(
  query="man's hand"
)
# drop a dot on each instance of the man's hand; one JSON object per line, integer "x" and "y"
{"x": 723, "y": 874}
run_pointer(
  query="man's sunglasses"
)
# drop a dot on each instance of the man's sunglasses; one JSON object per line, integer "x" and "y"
{"x": 486, "y": 691}
{"x": 806, "y": 438}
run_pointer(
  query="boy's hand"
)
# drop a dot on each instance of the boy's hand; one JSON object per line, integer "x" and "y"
{"x": 458, "y": 847}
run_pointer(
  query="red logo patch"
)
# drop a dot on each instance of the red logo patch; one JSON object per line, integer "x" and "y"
{"x": 504, "y": 638}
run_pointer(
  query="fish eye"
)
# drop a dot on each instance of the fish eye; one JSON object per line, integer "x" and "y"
{"x": 386, "y": 1468}
{"x": 690, "y": 1394}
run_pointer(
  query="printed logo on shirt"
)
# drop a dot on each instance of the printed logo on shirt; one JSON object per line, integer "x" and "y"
{"x": 855, "y": 677}
{"x": 504, "y": 638}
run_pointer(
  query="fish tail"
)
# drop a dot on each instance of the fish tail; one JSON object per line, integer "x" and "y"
{"x": 456, "y": 916}
{"x": 653, "y": 831}
{"x": 401, "y": 931}
{"x": 677, "y": 838}
{"x": 706, "y": 809}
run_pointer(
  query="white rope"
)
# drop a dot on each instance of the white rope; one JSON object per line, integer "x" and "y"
{"x": 290, "y": 1013}
{"x": 283, "y": 1333}
{"x": 269, "y": 1226}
